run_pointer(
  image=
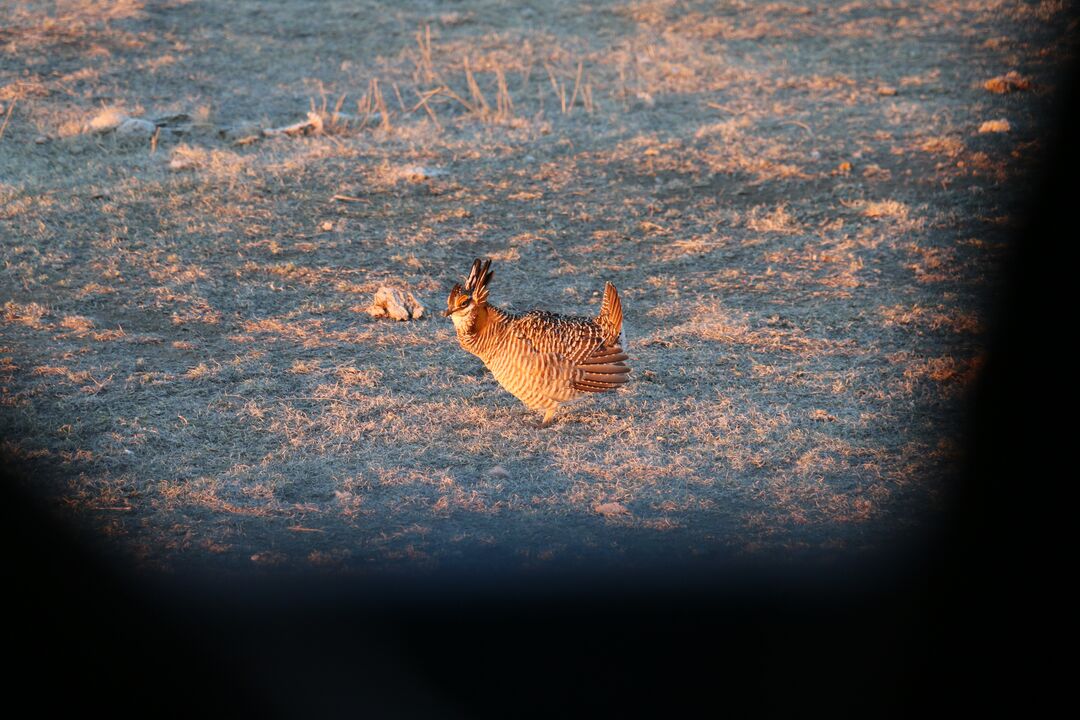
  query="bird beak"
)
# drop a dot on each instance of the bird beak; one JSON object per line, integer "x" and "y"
{"x": 447, "y": 313}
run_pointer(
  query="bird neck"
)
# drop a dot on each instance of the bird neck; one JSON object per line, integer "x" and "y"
{"x": 488, "y": 322}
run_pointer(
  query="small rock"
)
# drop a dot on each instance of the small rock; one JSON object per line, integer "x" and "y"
{"x": 995, "y": 126}
{"x": 450, "y": 19}
{"x": 171, "y": 120}
{"x": 1007, "y": 83}
{"x": 498, "y": 472}
{"x": 136, "y": 127}
{"x": 106, "y": 121}
{"x": 419, "y": 173}
{"x": 327, "y": 226}
{"x": 312, "y": 126}
{"x": 396, "y": 304}
{"x": 241, "y": 133}
{"x": 41, "y": 139}
{"x": 886, "y": 90}
{"x": 611, "y": 509}
{"x": 873, "y": 170}
{"x": 181, "y": 162}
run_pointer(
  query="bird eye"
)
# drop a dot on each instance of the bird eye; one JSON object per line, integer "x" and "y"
{"x": 465, "y": 302}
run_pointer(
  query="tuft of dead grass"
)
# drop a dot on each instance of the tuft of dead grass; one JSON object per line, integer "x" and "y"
{"x": 777, "y": 220}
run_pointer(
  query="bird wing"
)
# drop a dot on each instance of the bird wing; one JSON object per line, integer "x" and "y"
{"x": 571, "y": 338}
{"x": 573, "y": 352}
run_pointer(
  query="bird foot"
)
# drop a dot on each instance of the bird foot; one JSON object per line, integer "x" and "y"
{"x": 549, "y": 417}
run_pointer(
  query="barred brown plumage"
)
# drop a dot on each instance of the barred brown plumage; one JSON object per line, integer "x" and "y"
{"x": 541, "y": 358}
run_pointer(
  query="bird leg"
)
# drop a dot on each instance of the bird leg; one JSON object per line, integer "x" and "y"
{"x": 548, "y": 417}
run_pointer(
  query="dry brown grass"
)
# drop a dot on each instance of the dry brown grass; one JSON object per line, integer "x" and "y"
{"x": 186, "y": 366}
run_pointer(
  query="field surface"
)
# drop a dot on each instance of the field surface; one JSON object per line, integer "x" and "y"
{"x": 804, "y": 205}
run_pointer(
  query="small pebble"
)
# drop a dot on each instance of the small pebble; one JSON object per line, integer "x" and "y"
{"x": 995, "y": 126}
{"x": 611, "y": 509}
{"x": 419, "y": 173}
{"x": 136, "y": 127}
{"x": 182, "y": 162}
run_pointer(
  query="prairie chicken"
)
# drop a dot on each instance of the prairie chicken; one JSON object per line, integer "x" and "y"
{"x": 542, "y": 359}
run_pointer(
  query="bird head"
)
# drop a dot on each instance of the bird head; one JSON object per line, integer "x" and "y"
{"x": 465, "y": 302}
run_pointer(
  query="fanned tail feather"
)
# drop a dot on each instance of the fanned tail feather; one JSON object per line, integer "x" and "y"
{"x": 618, "y": 369}
{"x": 610, "y": 318}
{"x": 603, "y": 371}
{"x": 587, "y": 386}
{"x": 605, "y": 356}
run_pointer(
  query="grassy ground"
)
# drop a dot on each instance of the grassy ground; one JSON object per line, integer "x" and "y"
{"x": 795, "y": 201}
